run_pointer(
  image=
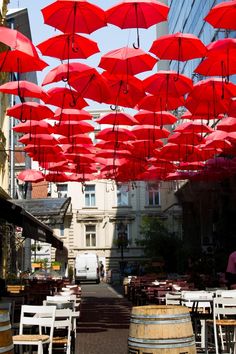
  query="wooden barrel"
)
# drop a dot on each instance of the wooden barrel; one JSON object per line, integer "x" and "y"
{"x": 161, "y": 329}
{"x": 6, "y": 343}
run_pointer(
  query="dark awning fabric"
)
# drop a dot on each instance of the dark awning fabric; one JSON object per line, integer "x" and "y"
{"x": 32, "y": 227}
{"x": 51, "y": 211}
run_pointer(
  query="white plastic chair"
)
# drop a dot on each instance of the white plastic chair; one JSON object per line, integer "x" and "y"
{"x": 224, "y": 312}
{"x": 172, "y": 299}
{"x": 40, "y": 316}
{"x": 63, "y": 323}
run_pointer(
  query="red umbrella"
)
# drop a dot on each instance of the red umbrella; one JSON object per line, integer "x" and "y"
{"x": 91, "y": 85}
{"x": 69, "y": 128}
{"x": 30, "y": 110}
{"x": 160, "y": 103}
{"x": 71, "y": 114}
{"x": 118, "y": 134}
{"x": 228, "y": 124}
{"x": 81, "y": 16}
{"x": 20, "y": 62}
{"x": 178, "y": 46}
{"x": 37, "y": 139}
{"x": 155, "y": 118}
{"x": 79, "y": 149}
{"x": 193, "y": 127}
{"x": 24, "y": 89}
{"x": 190, "y": 166}
{"x": 17, "y": 41}
{"x": 223, "y": 15}
{"x": 169, "y": 83}
{"x": 149, "y": 132}
{"x": 54, "y": 166}
{"x": 187, "y": 138}
{"x": 33, "y": 126}
{"x": 68, "y": 46}
{"x": 65, "y": 98}
{"x": 64, "y": 72}
{"x": 56, "y": 177}
{"x": 129, "y": 61}
{"x": 117, "y": 118}
{"x": 137, "y": 14}
{"x": 179, "y": 152}
{"x": 31, "y": 176}
{"x": 125, "y": 90}
{"x": 75, "y": 139}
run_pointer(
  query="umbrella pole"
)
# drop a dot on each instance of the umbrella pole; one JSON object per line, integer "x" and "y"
{"x": 138, "y": 40}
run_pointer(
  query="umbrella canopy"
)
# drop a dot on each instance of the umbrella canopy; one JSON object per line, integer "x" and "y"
{"x": 69, "y": 128}
{"x": 75, "y": 139}
{"x": 71, "y": 114}
{"x": 81, "y": 16}
{"x": 223, "y": 15}
{"x": 64, "y": 72}
{"x": 193, "y": 127}
{"x": 228, "y": 124}
{"x": 118, "y": 134}
{"x": 33, "y": 126}
{"x": 31, "y": 176}
{"x": 30, "y": 110}
{"x": 65, "y": 98}
{"x": 137, "y": 14}
{"x": 24, "y": 89}
{"x": 68, "y": 46}
{"x": 125, "y": 90}
{"x": 187, "y": 138}
{"x": 37, "y": 139}
{"x": 91, "y": 85}
{"x": 17, "y": 41}
{"x": 125, "y": 60}
{"x": 178, "y": 46}
{"x": 169, "y": 83}
{"x": 149, "y": 132}
{"x": 117, "y": 118}
{"x": 155, "y": 118}
{"x": 20, "y": 62}
{"x": 160, "y": 103}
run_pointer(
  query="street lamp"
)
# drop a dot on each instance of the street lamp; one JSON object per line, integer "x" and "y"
{"x": 122, "y": 241}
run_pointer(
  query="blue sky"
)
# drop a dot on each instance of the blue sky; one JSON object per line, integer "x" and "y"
{"x": 108, "y": 38}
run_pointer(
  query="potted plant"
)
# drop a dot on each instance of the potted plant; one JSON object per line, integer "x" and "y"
{"x": 56, "y": 265}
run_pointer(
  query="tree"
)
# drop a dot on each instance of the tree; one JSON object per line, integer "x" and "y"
{"x": 159, "y": 243}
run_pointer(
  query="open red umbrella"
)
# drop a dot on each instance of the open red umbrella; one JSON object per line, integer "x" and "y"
{"x": 178, "y": 46}
{"x": 68, "y": 46}
{"x": 90, "y": 85}
{"x": 31, "y": 176}
{"x": 179, "y": 152}
{"x": 117, "y": 134}
{"x": 64, "y": 72}
{"x": 155, "y": 118}
{"x": 33, "y": 127}
{"x": 24, "y": 89}
{"x": 125, "y": 90}
{"x": 69, "y": 128}
{"x": 223, "y": 15}
{"x": 227, "y": 124}
{"x": 20, "y": 62}
{"x": 30, "y": 110}
{"x": 75, "y": 139}
{"x": 37, "y": 139}
{"x": 65, "y": 98}
{"x": 17, "y": 41}
{"x": 187, "y": 138}
{"x": 149, "y": 132}
{"x": 71, "y": 114}
{"x": 56, "y": 177}
{"x": 129, "y": 61}
{"x": 117, "y": 118}
{"x": 137, "y": 14}
{"x": 169, "y": 83}
{"x": 160, "y": 103}
{"x": 80, "y": 16}
{"x": 193, "y": 127}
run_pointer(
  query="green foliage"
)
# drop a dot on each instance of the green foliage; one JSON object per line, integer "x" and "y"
{"x": 158, "y": 243}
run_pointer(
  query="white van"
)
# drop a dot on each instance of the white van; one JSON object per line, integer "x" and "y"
{"x": 87, "y": 267}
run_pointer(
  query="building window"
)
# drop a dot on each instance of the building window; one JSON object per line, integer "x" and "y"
{"x": 90, "y": 235}
{"x": 90, "y": 199}
{"x": 122, "y": 195}
{"x": 62, "y": 230}
{"x": 62, "y": 190}
{"x": 153, "y": 194}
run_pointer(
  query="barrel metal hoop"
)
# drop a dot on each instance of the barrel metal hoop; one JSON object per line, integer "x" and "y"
{"x": 5, "y": 328}
{"x": 184, "y": 320}
{"x": 161, "y": 343}
{"x": 163, "y": 317}
{"x": 7, "y": 349}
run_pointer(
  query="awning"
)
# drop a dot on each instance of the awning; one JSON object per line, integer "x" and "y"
{"x": 51, "y": 211}
{"x": 32, "y": 227}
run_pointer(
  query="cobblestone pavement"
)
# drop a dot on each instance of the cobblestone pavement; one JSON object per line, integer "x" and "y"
{"x": 103, "y": 326}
